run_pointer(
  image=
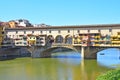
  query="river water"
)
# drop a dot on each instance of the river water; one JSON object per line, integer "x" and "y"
{"x": 63, "y": 66}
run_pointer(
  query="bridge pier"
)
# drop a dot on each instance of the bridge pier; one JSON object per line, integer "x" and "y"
{"x": 36, "y": 51}
{"x": 82, "y": 52}
{"x": 90, "y": 52}
{"x": 87, "y": 52}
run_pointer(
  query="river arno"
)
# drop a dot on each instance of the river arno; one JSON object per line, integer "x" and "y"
{"x": 62, "y": 68}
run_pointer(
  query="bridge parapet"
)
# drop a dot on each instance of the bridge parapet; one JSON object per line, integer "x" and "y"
{"x": 61, "y": 45}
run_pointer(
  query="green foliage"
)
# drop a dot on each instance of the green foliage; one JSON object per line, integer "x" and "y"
{"x": 110, "y": 75}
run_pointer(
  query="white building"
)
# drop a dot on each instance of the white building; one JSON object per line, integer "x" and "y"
{"x": 41, "y": 25}
{"x": 22, "y": 22}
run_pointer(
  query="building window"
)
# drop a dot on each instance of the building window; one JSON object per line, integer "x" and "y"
{"x": 49, "y": 31}
{"x": 24, "y": 32}
{"x": 3, "y": 32}
{"x": 13, "y": 36}
{"x": 25, "y": 43}
{"x": 78, "y": 31}
{"x": 3, "y": 29}
{"x": 16, "y": 32}
{"x": 88, "y": 30}
{"x": 10, "y": 36}
{"x": 6, "y": 36}
{"x": 32, "y": 31}
{"x": 99, "y": 30}
{"x": 59, "y": 31}
{"x": 20, "y": 42}
{"x": 110, "y": 30}
{"x": 41, "y": 32}
{"x": 68, "y": 31}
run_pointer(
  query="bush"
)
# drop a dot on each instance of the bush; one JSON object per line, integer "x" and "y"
{"x": 110, "y": 75}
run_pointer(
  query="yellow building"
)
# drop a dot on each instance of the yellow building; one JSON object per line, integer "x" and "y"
{"x": 1, "y": 35}
{"x": 31, "y": 39}
{"x": 115, "y": 39}
{"x": 12, "y": 24}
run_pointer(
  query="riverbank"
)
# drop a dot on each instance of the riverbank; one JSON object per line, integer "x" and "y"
{"x": 110, "y": 75}
{"x": 12, "y": 53}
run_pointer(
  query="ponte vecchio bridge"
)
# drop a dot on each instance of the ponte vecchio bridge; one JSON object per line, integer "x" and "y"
{"x": 85, "y": 39}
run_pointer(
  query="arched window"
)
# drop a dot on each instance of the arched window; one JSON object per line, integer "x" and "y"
{"x": 68, "y": 39}
{"x": 59, "y": 39}
{"x": 50, "y": 39}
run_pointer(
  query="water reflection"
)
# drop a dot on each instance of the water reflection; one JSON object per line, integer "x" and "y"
{"x": 62, "y": 66}
{"x": 69, "y": 57}
{"x": 67, "y": 54}
{"x": 109, "y": 57}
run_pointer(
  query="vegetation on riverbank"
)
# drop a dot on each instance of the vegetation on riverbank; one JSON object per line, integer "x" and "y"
{"x": 110, "y": 75}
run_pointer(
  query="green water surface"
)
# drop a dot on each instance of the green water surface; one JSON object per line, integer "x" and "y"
{"x": 50, "y": 69}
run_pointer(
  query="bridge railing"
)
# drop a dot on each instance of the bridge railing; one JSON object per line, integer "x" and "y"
{"x": 69, "y": 45}
{"x": 60, "y": 45}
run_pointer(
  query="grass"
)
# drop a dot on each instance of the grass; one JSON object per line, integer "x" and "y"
{"x": 110, "y": 75}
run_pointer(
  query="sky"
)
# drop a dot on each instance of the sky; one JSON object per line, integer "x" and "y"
{"x": 62, "y": 12}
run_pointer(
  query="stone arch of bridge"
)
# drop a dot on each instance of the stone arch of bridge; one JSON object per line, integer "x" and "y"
{"x": 91, "y": 52}
{"x": 49, "y": 51}
{"x": 101, "y": 49}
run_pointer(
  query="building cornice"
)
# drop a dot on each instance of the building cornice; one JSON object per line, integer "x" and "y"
{"x": 66, "y": 27}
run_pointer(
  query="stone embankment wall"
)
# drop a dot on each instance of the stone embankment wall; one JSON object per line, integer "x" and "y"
{"x": 14, "y": 52}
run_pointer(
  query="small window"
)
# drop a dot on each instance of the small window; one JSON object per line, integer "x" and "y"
{"x": 24, "y": 32}
{"x": 25, "y": 43}
{"x": 6, "y": 36}
{"x": 49, "y": 31}
{"x": 13, "y": 36}
{"x": 110, "y": 30}
{"x": 17, "y": 43}
{"x": 41, "y": 32}
{"x": 24, "y": 38}
{"x": 41, "y": 38}
{"x": 59, "y": 31}
{"x": 88, "y": 30}
{"x": 17, "y": 36}
{"x": 99, "y": 30}
{"x": 16, "y": 32}
{"x": 2, "y": 32}
{"x": 118, "y": 33}
{"x": 3, "y": 29}
{"x": 37, "y": 42}
{"x": 78, "y": 31}
{"x": 68, "y": 31}
{"x": 37, "y": 37}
